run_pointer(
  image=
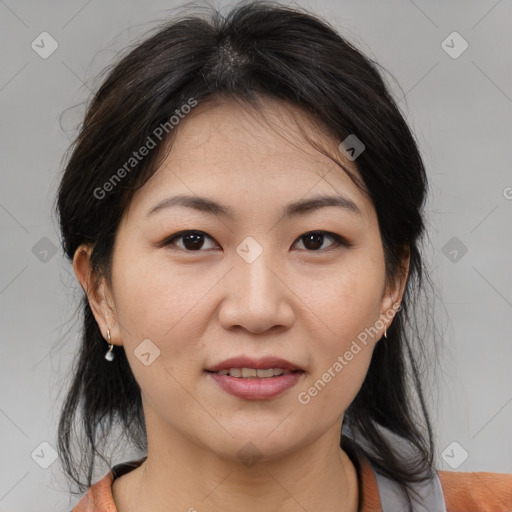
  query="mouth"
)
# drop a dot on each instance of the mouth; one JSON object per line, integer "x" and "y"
{"x": 252, "y": 379}
{"x": 251, "y": 373}
{"x": 247, "y": 367}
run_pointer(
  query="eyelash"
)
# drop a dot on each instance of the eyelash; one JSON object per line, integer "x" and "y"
{"x": 338, "y": 240}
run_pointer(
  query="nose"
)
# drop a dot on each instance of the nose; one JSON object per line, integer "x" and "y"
{"x": 257, "y": 297}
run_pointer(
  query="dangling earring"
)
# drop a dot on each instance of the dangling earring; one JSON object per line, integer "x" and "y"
{"x": 385, "y": 332}
{"x": 109, "y": 356}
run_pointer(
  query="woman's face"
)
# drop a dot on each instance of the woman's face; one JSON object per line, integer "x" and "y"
{"x": 247, "y": 284}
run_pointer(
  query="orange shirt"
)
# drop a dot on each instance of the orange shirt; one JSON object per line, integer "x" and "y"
{"x": 463, "y": 492}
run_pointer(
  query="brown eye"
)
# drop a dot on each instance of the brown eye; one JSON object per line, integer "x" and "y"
{"x": 314, "y": 240}
{"x": 191, "y": 240}
{"x": 194, "y": 241}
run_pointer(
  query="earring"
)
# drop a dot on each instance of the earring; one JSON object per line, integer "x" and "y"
{"x": 385, "y": 332}
{"x": 109, "y": 356}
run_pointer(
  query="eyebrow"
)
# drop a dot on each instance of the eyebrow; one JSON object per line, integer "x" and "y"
{"x": 295, "y": 209}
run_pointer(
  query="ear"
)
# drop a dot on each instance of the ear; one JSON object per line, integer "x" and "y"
{"x": 98, "y": 293}
{"x": 394, "y": 291}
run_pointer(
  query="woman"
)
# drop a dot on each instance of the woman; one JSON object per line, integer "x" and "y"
{"x": 243, "y": 209}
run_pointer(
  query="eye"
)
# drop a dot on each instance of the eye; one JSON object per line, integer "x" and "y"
{"x": 312, "y": 241}
{"x": 192, "y": 240}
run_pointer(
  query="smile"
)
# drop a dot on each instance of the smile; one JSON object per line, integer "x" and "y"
{"x": 255, "y": 384}
{"x": 247, "y": 373}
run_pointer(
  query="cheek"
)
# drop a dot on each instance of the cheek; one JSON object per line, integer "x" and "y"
{"x": 341, "y": 363}
{"x": 158, "y": 302}
{"x": 152, "y": 297}
{"x": 349, "y": 300}
{"x": 347, "y": 307}
{"x": 154, "y": 303}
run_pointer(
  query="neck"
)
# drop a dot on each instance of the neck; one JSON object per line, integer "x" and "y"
{"x": 188, "y": 477}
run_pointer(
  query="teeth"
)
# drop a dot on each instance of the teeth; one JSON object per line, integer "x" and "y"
{"x": 247, "y": 373}
{"x": 264, "y": 373}
{"x": 235, "y": 372}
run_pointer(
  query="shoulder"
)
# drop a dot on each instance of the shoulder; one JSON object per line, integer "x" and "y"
{"x": 99, "y": 497}
{"x": 478, "y": 492}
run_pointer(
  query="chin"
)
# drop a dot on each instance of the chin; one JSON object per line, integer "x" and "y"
{"x": 251, "y": 446}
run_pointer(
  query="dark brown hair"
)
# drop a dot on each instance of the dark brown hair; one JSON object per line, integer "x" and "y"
{"x": 258, "y": 50}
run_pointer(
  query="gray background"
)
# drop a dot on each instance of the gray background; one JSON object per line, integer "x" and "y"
{"x": 460, "y": 109}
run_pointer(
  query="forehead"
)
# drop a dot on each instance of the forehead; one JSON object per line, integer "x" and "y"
{"x": 265, "y": 154}
{"x": 227, "y": 131}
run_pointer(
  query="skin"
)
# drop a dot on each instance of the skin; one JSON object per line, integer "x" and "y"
{"x": 306, "y": 305}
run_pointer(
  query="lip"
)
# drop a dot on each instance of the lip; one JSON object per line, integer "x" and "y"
{"x": 256, "y": 388}
{"x": 261, "y": 364}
